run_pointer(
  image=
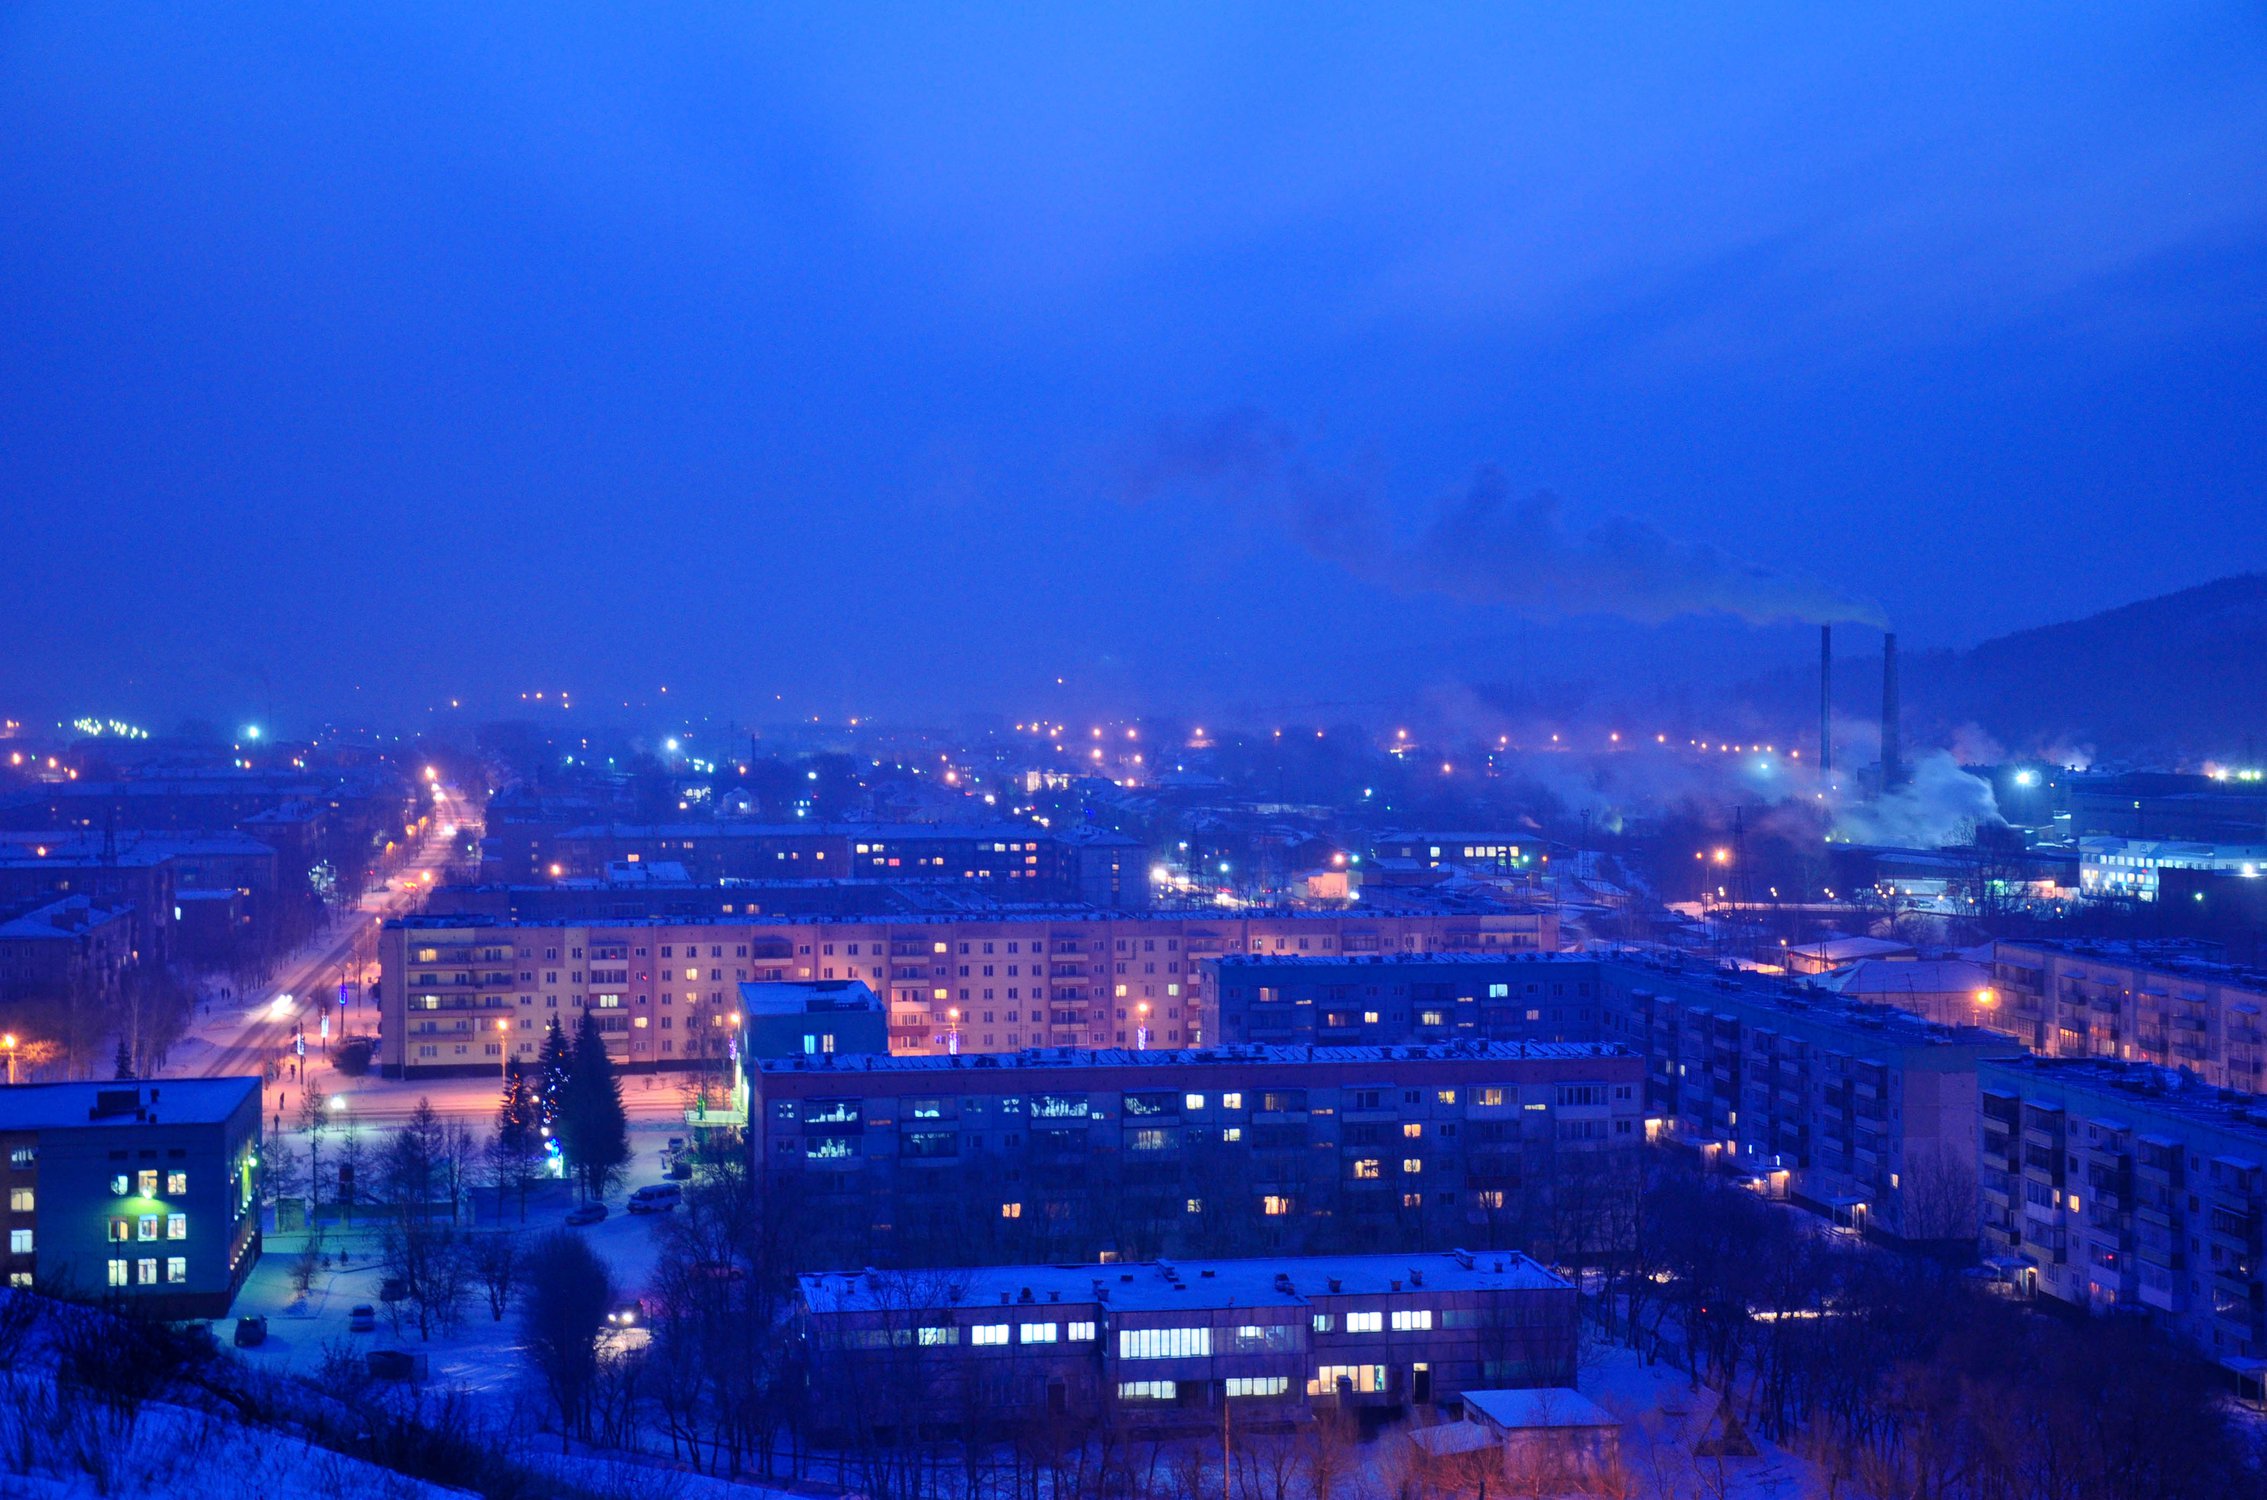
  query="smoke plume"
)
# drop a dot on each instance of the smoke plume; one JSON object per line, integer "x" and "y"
{"x": 1483, "y": 546}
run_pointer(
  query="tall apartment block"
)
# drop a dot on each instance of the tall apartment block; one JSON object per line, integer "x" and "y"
{"x": 1065, "y": 1154}
{"x": 2168, "y": 1003}
{"x": 1862, "y": 1111}
{"x": 2118, "y": 1185}
{"x": 460, "y": 993}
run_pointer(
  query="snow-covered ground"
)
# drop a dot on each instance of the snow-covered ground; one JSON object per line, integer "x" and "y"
{"x": 482, "y": 1353}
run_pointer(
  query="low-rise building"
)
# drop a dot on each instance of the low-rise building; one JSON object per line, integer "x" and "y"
{"x": 2127, "y": 867}
{"x": 1161, "y": 1344}
{"x": 829, "y": 1018}
{"x": 2111, "y": 1184}
{"x": 141, "y": 1192}
{"x": 1065, "y": 1154}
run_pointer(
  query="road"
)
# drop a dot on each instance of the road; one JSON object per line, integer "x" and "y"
{"x": 260, "y": 1031}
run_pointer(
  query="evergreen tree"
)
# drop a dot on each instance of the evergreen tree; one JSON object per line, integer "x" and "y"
{"x": 519, "y": 1117}
{"x": 552, "y": 1069}
{"x": 125, "y": 1059}
{"x": 593, "y": 1128}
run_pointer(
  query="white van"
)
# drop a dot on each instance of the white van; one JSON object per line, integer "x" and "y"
{"x": 656, "y": 1198}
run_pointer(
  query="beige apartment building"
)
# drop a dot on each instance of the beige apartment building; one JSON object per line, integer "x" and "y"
{"x": 465, "y": 993}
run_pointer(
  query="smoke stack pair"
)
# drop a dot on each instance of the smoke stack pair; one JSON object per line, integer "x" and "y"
{"x": 1892, "y": 747}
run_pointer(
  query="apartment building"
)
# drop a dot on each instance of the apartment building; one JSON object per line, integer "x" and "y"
{"x": 73, "y": 947}
{"x": 1019, "y": 976}
{"x": 2170, "y": 1003}
{"x": 2118, "y": 1185}
{"x": 1380, "y": 999}
{"x": 1064, "y": 1154}
{"x": 1019, "y": 860}
{"x": 1863, "y": 1112}
{"x": 146, "y": 1193}
{"x": 1165, "y": 1344}
{"x": 2129, "y": 868}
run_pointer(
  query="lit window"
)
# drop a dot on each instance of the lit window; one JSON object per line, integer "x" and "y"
{"x": 1367, "y": 1167}
{"x": 1193, "y": 1101}
{"x": 988, "y": 1333}
{"x": 1274, "y": 1205}
{"x": 940, "y": 1336}
{"x": 1491, "y": 1096}
{"x": 145, "y": 1272}
{"x": 120, "y": 1185}
{"x": 121, "y": 1230}
{"x": 177, "y": 1269}
{"x": 1358, "y": 1378}
{"x": 1412, "y": 1165}
{"x": 1412, "y": 1319}
{"x": 1365, "y": 1322}
{"x": 145, "y": 1182}
{"x": 1011, "y": 1210}
{"x": 19, "y": 1242}
{"x": 1231, "y": 1101}
{"x": 176, "y": 1183}
{"x": 176, "y": 1226}
{"x": 118, "y": 1273}
{"x": 1411, "y": 1129}
{"x": 1037, "y": 1333}
{"x": 145, "y": 1228}
{"x": 1148, "y": 1390}
{"x": 1232, "y": 1134}
{"x": 1081, "y": 1333}
{"x": 19, "y": 1200}
{"x": 1164, "y": 1343}
{"x": 1444, "y": 1096}
{"x": 1258, "y": 1385}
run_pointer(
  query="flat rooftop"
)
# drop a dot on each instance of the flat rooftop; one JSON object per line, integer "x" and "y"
{"x": 170, "y": 1101}
{"x": 1033, "y": 1058}
{"x": 1289, "y": 1281}
{"x": 2143, "y": 1088}
{"x": 803, "y": 997}
{"x": 2182, "y": 956}
{"x": 1396, "y": 960}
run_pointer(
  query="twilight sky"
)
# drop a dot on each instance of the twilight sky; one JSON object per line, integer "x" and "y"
{"x": 891, "y": 359}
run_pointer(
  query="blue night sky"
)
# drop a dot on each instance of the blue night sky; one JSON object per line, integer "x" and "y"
{"x": 895, "y": 360}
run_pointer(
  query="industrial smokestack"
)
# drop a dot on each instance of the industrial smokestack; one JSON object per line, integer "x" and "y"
{"x": 1825, "y": 702}
{"x": 1892, "y": 748}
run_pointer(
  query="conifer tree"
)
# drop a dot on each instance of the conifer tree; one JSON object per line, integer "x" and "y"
{"x": 593, "y": 1128}
{"x": 552, "y": 1069}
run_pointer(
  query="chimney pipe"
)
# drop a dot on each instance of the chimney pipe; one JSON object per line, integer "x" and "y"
{"x": 1825, "y": 703}
{"x": 1892, "y": 747}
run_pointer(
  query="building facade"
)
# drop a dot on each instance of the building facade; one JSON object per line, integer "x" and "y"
{"x": 143, "y": 1193}
{"x": 1381, "y": 999}
{"x": 2117, "y": 1185}
{"x": 2167, "y": 1003}
{"x": 1171, "y": 1343}
{"x": 1065, "y": 1154}
{"x": 2128, "y": 868}
{"x": 1019, "y": 976}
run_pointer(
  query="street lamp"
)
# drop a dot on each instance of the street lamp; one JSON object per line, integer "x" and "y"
{"x": 952, "y": 1030}
{"x": 1141, "y": 1028}
{"x": 8, "y": 1043}
{"x": 503, "y": 1045}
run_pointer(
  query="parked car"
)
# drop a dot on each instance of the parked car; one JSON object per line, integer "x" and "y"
{"x": 656, "y": 1198}
{"x": 361, "y": 1318}
{"x": 586, "y": 1213}
{"x": 251, "y": 1332}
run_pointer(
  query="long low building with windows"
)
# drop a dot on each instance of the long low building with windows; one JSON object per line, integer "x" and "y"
{"x": 144, "y": 1193}
{"x": 1167, "y": 1343}
{"x": 1065, "y": 1154}
{"x": 462, "y": 992}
